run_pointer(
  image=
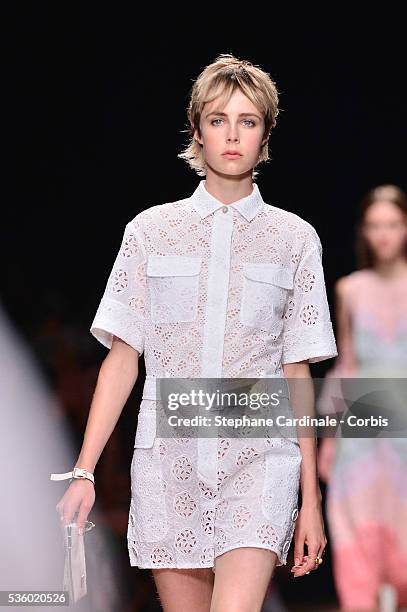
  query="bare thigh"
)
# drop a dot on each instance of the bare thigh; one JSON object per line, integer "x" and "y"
{"x": 242, "y": 577}
{"x": 184, "y": 589}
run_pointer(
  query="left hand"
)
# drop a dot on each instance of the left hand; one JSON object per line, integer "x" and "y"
{"x": 309, "y": 530}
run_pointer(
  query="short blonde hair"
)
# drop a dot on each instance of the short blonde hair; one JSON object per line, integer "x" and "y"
{"x": 220, "y": 79}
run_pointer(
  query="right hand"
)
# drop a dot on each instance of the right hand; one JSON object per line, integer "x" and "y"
{"x": 77, "y": 499}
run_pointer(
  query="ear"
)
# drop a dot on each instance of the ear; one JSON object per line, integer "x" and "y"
{"x": 197, "y": 136}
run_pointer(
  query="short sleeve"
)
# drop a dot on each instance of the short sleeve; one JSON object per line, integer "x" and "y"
{"x": 121, "y": 311}
{"x": 308, "y": 332}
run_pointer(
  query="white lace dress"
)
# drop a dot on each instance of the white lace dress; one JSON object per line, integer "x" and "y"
{"x": 208, "y": 290}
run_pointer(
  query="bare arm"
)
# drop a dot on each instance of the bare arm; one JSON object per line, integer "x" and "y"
{"x": 346, "y": 364}
{"x": 309, "y": 527}
{"x": 344, "y": 325}
{"x": 117, "y": 376}
{"x": 302, "y": 401}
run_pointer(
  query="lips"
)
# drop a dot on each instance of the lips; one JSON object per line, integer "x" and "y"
{"x": 231, "y": 155}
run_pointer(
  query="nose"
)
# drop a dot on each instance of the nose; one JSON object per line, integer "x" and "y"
{"x": 233, "y": 135}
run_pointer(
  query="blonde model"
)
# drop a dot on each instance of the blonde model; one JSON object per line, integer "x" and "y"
{"x": 219, "y": 284}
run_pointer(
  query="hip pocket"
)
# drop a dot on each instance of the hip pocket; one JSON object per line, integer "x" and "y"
{"x": 264, "y": 295}
{"x": 174, "y": 287}
{"x": 146, "y": 429}
{"x": 148, "y": 487}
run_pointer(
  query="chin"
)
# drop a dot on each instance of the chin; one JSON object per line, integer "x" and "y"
{"x": 387, "y": 256}
{"x": 230, "y": 170}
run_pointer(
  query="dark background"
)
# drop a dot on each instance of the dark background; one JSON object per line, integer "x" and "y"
{"x": 94, "y": 119}
{"x": 94, "y": 113}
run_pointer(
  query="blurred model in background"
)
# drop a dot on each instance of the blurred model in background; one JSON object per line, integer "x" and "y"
{"x": 367, "y": 477}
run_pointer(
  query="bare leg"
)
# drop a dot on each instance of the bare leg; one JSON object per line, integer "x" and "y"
{"x": 188, "y": 590}
{"x": 241, "y": 579}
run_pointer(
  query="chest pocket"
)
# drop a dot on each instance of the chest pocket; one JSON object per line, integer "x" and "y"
{"x": 265, "y": 293}
{"x": 174, "y": 287}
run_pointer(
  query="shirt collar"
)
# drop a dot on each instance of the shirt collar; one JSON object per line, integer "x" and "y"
{"x": 205, "y": 203}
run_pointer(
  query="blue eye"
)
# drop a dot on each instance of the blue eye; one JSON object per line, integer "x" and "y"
{"x": 244, "y": 120}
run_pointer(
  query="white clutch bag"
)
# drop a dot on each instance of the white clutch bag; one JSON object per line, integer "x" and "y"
{"x": 75, "y": 563}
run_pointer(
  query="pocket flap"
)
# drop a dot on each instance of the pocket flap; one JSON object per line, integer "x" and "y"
{"x": 173, "y": 265}
{"x": 146, "y": 429}
{"x": 269, "y": 273}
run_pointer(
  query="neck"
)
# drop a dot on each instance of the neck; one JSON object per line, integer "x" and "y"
{"x": 226, "y": 188}
{"x": 392, "y": 268}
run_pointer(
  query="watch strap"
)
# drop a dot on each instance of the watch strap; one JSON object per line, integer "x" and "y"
{"x": 75, "y": 473}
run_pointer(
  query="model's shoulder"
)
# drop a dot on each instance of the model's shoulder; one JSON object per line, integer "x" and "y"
{"x": 352, "y": 282}
{"x": 292, "y": 224}
{"x": 162, "y": 210}
{"x": 157, "y": 212}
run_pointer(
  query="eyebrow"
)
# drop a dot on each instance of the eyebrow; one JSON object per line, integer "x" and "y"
{"x": 240, "y": 114}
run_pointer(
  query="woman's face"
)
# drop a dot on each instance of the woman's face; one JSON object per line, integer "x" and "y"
{"x": 385, "y": 229}
{"x": 239, "y": 126}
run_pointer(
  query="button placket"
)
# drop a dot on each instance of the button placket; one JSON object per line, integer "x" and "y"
{"x": 214, "y": 328}
{"x": 287, "y": 543}
{"x": 218, "y": 289}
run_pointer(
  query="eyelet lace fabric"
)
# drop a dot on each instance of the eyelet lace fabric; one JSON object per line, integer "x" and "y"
{"x": 205, "y": 290}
